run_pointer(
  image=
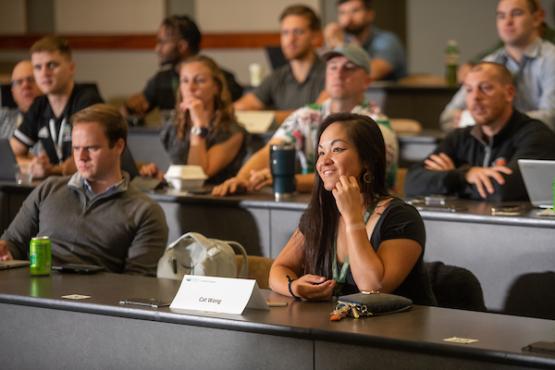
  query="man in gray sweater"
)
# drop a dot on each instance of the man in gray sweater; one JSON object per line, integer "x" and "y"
{"x": 94, "y": 216}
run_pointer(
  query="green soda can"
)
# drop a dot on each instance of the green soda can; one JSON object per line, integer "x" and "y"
{"x": 40, "y": 256}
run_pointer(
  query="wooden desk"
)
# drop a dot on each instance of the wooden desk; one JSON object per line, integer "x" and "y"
{"x": 40, "y": 327}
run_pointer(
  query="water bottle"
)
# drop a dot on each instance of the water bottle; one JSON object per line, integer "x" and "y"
{"x": 282, "y": 165}
{"x": 553, "y": 189}
{"x": 451, "y": 62}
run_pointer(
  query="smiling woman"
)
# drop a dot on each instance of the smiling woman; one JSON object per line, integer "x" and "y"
{"x": 353, "y": 236}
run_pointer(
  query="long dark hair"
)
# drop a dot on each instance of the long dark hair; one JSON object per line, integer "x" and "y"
{"x": 319, "y": 222}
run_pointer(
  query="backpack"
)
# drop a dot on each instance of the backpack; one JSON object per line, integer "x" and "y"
{"x": 195, "y": 254}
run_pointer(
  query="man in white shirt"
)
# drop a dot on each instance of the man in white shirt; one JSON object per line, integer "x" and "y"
{"x": 530, "y": 59}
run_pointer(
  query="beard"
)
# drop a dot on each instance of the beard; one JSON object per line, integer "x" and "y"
{"x": 356, "y": 29}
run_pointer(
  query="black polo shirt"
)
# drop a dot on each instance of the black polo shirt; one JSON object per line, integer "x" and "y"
{"x": 54, "y": 133}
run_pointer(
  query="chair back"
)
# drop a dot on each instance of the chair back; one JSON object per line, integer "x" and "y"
{"x": 455, "y": 287}
{"x": 259, "y": 269}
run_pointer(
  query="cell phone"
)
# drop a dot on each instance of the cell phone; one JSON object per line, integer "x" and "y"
{"x": 145, "y": 302}
{"x": 201, "y": 191}
{"x": 541, "y": 347}
{"x": 435, "y": 200}
{"x": 78, "y": 268}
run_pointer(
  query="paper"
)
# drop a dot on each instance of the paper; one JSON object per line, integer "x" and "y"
{"x": 460, "y": 340}
{"x": 76, "y": 296}
{"x": 255, "y": 122}
{"x": 215, "y": 294}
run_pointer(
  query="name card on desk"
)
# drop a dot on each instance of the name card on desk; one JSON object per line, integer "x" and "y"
{"x": 215, "y": 294}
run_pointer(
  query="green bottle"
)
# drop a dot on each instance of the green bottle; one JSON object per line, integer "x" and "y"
{"x": 451, "y": 62}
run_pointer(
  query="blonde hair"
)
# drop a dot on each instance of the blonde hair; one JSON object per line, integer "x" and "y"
{"x": 224, "y": 113}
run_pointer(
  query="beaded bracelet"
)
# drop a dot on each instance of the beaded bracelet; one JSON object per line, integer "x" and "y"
{"x": 289, "y": 282}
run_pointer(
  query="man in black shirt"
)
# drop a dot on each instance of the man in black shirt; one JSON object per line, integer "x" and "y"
{"x": 178, "y": 39}
{"x": 47, "y": 120}
{"x": 480, "y": 162}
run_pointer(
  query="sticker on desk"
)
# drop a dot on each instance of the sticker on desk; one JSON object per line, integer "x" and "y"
{"x": 460, "y": 340}
{"x": 76, "y": 296}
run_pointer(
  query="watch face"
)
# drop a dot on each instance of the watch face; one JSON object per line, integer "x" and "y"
{"x": 199, "y": 131}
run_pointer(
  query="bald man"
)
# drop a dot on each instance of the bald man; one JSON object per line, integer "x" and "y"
{"x": 24, "y": 91}
{"x": 480, "y": 161}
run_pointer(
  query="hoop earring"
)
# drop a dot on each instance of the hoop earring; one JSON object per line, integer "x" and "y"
{"x": 367, "y": 178}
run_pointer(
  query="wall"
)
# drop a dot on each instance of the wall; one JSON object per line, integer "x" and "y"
{"x": 430, "y": 23}
{"x": 12, "y": 17}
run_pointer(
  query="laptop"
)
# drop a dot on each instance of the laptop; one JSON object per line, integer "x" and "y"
{"x": 538, "y": 177}
{"x": 7, "y": 161}
{"x": 12, "y": 264}
{"x": 129, "y": 165}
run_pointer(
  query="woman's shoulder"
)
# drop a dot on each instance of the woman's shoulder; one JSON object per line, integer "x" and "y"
{"x": 398, "y": 208}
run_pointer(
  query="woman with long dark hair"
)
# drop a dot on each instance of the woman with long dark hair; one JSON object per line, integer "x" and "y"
{"x": 204, "y": 131}
{"x": 353, "y": 236}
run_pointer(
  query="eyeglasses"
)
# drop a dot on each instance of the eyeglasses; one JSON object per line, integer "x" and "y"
{"x": 20, "y": 81}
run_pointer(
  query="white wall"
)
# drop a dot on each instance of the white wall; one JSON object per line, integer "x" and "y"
{"x": 431, "y": 23}
{"x": 108, "y": 16}
{"x": 12, "y": 17}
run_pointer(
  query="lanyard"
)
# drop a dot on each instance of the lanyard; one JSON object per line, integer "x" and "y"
{"x": 341, "y": 276}
{"x": 57, "y": 138}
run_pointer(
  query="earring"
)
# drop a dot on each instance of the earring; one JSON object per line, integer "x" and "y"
{"x": 367, "y": 178}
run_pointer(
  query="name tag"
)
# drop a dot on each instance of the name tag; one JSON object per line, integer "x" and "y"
{"x": 215, "y": 294}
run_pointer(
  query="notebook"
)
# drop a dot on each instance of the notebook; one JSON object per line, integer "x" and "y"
{"x": 256, "y": 122}
{"x": 538, "y": 178}
{"x": 12, "y": 264}
{"x": 7, "y": 161}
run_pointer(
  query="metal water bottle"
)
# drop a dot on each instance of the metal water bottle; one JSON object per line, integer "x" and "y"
{"x": 282, "y": 165}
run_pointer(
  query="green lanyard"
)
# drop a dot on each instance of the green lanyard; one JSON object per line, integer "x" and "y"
{"x": 340, "y": 277}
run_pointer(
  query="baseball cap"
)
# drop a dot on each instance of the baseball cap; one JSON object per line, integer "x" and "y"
{"x": 354, "y": 54}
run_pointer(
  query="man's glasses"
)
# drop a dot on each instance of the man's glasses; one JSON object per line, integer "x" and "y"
{"x": 20, "y": 81}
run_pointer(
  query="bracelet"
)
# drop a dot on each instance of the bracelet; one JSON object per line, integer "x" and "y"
{"x": 357, "y": 226}
{"x": 289, "y": 282}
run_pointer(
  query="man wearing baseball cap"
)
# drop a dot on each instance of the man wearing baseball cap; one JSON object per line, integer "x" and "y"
{"x": 347, "y": 78}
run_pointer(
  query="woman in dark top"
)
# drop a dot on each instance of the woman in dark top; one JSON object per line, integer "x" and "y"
{"x": 204, "y": 131}
{"x": 353, "y": 236}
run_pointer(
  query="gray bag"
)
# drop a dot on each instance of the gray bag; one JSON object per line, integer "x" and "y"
{"x": 195, "y": 254}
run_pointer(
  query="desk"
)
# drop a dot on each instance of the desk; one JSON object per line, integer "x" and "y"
{"x": 423, "y": 103}
{"x": 500, "y": 250}
{"x": 98, "y": 333}
{"x": 416, "y": 148}
{"x": 513, "y": 257}
{"x": 145, "y": 145}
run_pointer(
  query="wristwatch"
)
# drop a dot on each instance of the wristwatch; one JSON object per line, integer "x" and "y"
{"x": 199, "y": 131}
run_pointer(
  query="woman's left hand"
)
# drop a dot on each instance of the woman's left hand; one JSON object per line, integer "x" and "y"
{"x": 348, "y": 199}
